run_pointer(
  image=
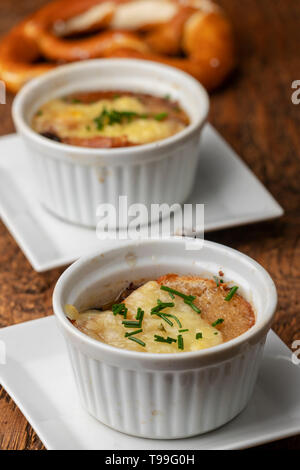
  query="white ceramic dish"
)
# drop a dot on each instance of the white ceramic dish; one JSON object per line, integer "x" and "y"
{"x": 48, "y": 241}
{"x": 192, "y": 392}
{"x": 37, "y": 360}
{"x": 72, "y": 181}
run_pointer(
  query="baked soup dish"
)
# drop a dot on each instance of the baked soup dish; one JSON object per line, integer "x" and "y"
{"x": 107, "y": 119}
{"x": 172, "y": 314}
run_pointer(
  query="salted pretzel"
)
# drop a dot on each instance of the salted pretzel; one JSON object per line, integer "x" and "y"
{"x": 18, "y": 59}
{"x": 193, "y": 35}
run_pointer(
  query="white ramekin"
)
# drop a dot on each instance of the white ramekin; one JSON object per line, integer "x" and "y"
{"x": 163, "y": 395}
{"x": 72, "y": 181}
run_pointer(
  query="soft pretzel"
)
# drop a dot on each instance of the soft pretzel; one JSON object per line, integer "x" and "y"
{"x": 19, "y": 56}
{"x": 193, "y": 35}
{"x": 56, "y": 19}
{"x": 210, "y": 61}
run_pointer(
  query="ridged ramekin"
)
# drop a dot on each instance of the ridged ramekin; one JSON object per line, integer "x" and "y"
{"x": 163, "y": 396}
{"x": 72, "y": 181}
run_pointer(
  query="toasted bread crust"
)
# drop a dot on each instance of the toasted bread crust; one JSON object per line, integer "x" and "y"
{"x": 237, "y": 313}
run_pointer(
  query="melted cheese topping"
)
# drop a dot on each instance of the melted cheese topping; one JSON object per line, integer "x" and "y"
{"x": 108, "y": 328}
{"x": 77, "y": 120}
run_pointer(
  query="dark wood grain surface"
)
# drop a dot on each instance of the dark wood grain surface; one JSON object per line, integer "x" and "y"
{"x": 255, "y": 114}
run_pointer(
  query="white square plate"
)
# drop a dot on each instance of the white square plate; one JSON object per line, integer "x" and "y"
{"x": 38, "y": 377}
{"x": 231, "y": 193}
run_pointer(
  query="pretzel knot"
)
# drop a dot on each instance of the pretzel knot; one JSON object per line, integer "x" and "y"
{"x": 193, "y": 35}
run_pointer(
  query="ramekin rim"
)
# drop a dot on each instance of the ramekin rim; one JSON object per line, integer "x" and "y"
{"x": 61, "y": 148}
{"x": 161, "y": 358}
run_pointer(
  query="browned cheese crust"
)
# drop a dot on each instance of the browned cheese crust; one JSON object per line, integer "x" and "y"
{"x": 237, "y": 313}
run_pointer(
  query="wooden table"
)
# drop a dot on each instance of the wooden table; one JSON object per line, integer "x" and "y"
{"x": 255, "y": 114}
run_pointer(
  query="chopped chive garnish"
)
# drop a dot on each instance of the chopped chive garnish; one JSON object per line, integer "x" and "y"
{"x": 231, "y": 293}
{"x": 120, "y": 309}
{"x": 136, "y": 340}
{"x": 183, "y": 331}
{"x": 141, "y": 317}
{"x": 175, "y": 318}
{"x": 140, "y": 314}
{"x": 188, "y": 299}
{"x": 39, "y": 112}
{"x": 199, "y": 335}
{"x": 88, "y": 128}
{"x": 180, "y": 342}
{"x": 217, "y": 322}
{"x": 161, "y": 339}
{"x": 160, "y": 116}
{"x": 216, "y": 333}
{"x": 197, "y": 310}
{"x": 172, "y": 340}
{"x": 167, "y": 97}
{"x": 131, "y": 324}
{"x": 161, "y": 306}
{"x": 161, "y": 327}
{"x": 135, "y": 332}
{"x": 137, "y": 323}
{"x": 75, "y": 101}
{"x": 110, "y": 117}
{"x": 217, "y": 281}
{"x": 163, "y": 317}
{"x": 221, "y": 281}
